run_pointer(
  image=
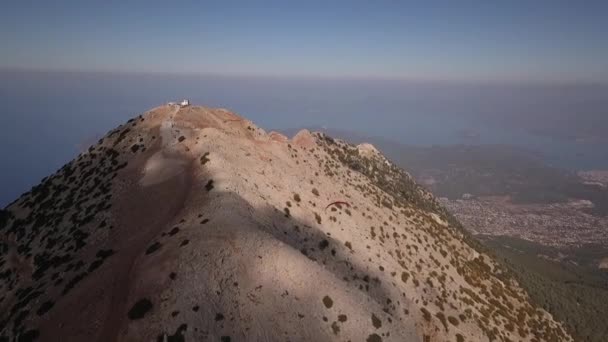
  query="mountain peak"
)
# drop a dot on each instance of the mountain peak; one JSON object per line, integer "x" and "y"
{"x": 192, "y": 223}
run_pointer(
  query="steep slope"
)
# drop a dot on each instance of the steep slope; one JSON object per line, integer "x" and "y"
{"x": 194, "y": 224}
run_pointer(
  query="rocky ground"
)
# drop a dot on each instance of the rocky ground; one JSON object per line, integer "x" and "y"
{"x": 194, "y": 224}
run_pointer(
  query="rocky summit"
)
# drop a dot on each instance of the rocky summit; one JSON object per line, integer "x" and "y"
{"x": 193, "y": 224}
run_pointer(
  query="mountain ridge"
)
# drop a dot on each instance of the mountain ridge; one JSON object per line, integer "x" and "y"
{"x": 193, "y": 223}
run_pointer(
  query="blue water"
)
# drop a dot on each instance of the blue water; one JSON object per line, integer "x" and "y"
{"x": 47, "y": 118}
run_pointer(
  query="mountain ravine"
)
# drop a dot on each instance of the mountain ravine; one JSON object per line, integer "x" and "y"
{"x": 193, "y": 224}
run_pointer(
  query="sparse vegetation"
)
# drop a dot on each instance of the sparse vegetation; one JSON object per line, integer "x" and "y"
{"x": 204, "y": 158}
{"x": 323, "y": 244}
{"x": 153, "y": 248}
{"x": 209, "y": 185}
{"x": 45, "y": 307}
{"x": 426, "y": 314}
{"x": 374, "y": 338}
{"x": 376, "y": 322}
{"x": 139, "y": 309}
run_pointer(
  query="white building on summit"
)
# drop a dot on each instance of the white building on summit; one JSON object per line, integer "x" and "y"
{"x": 184, "y": 103}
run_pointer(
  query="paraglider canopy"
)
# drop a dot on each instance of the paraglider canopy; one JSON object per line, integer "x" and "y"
{"x": 338, "y": 203}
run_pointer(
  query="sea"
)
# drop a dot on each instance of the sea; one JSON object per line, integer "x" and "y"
{"x": 48, "y": 117}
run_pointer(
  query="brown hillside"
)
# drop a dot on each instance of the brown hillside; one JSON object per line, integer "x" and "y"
{"x": 194, "y": 224}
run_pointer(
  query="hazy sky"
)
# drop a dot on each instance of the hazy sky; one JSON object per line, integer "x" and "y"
{"x": 453, "y": 40}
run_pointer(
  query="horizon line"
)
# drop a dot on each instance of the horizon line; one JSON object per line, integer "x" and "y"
{"x": 310, "y": 77}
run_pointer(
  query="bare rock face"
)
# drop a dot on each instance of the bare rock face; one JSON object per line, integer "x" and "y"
{"x": 304, "y": 139}
{"x": 368, "y": 150}
{"x": 193, "y": 224}
{"x": 276, "y": 136}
